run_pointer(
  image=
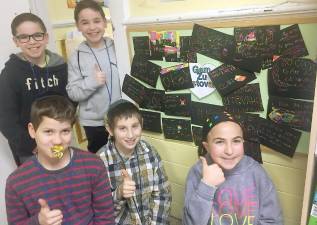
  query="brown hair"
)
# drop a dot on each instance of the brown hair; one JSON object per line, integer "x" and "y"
{"x": 122, "y": 109}
{"x": 88, "y": 4}
{"x": 23, "y": 17}
{"x": 53, "y": 106}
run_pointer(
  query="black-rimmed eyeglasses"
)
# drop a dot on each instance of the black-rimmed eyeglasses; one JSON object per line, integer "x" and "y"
{"x": 24, "y": 38}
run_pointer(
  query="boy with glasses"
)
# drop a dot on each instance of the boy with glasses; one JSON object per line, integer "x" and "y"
{"x": 27, "y": 75}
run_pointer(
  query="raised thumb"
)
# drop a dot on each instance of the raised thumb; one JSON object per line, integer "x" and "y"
{"x": 125, "y": 174}
{"x": 44, "y": 205}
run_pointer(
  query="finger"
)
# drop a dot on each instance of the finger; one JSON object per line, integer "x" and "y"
{"x": 125, "y": 174}
{"x": 44, "y": 205}
{"x": 56, "y": 220}
{"x": 56, "y": 213}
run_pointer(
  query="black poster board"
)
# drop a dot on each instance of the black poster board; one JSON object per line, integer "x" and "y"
{"x": 145, "y": 70}
{"x": 228, "y": 78}
{"x": 256, "y": 42}
{"x": 200, "y": 112}
{"x": 176, "y": 78}
{"x": 177, "y": 104}
{"x": 250, "y": 126}
{"x": 212, "y": 43}
{"x": 291, "y": 43}
{"x": 292, "y": 78}
{"x": 177, "y": 129}
{"x": 253, "y": 150}
{"x": 290, "y": 112}
{"x": 153, "y": 99}
{"x": 141, "y": 46}
{"x": 134, "y": 89}
{"x": 246, "y": 99}
{"x": 278, "y": 137}
{"x": 151, "y": 121}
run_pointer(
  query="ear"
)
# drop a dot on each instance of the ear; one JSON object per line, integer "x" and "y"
{"x": 110, "y": 131}
{"x": 206, "y": 146}
{"x": 46, "y": 38}
{"x": 31, "y": 129}
{"x": 15, "y": 41}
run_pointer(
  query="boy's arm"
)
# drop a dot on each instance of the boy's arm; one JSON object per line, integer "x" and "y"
{"x": 161, "y": 196}
{"x": 10, "y": 124}
{"x": 16, "y": 211}
{"x": 198, "y": 199}
{"x": 102, "y": 198}
{"x": 270, "y": 211}
{"x": 80, "y": 86}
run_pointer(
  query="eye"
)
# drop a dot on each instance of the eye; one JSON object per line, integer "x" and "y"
{"x": 238, "y": 141}
{"x": 218, "y": 142}
{"x": 48, "y": 132}
{"x": 66, "y": 131}
{"x": 23, "y": 36}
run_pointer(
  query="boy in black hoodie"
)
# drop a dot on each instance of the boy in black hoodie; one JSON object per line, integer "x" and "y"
{"x": 32, "y": 73}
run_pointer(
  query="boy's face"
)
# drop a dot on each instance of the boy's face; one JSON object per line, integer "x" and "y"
{"x": 92, "y": 25}
{"x": 127, "y": 133}
{"x": 225, "y": 144}
{"x": 50, "y": 132}
{"x": 32, "y": 49}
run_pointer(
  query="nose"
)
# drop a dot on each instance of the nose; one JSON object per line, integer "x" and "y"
{"x": 91, "y": 26}
{"x": 57, "y": 139}
{"x": 228, "y": 149}
{"x": 32, "y": 40}
{"x": 130, "y": 133}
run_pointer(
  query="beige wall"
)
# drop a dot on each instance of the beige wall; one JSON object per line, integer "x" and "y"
{"x": 287, "y": 174}
{"x": 156, "y": 8}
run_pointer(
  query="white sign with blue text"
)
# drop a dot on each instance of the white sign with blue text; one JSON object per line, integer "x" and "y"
{"x": 201, "y": 81}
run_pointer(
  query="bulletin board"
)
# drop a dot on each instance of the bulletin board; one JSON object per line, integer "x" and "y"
{"x": 308, "y": 30}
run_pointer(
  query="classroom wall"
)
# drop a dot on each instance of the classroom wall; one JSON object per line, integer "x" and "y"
{"x": 287, "y": 174}
{"x": 160, "y": 8}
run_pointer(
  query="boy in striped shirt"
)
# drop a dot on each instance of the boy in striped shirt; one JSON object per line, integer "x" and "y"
{"x": 60, "y": 184}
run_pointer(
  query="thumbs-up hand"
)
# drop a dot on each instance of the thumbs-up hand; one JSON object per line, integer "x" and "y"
{"x": 127, "y": 188}
{"x": 212, "y": 174}
{"x": 99, "y": 75}
{"x": 47, "y": 216}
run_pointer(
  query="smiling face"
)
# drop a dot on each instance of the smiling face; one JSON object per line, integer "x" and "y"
{"x": 225, "y": 144}
{"x": 51, "y": 133}
{"x": 33, "y": 51}
{"x": 126, "y": 133}
{"x": 92, "y": 25}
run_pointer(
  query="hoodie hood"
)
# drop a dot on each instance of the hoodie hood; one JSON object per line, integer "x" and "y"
{"x": 54, "y": 59}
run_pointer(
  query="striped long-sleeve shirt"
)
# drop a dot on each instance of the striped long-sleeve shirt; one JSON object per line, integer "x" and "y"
{"x": 152, "y": 200}
{"x": 81, "y": 190}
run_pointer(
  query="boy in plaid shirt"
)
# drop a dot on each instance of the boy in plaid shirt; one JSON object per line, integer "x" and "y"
{"x": 138, "y": 180}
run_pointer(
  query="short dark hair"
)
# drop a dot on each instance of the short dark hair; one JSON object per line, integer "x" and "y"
{"x": 122, "y": 109}
{"x": 88, "y": 4}
{"x": 23, "y": 17}
{"x": 53, "y": 106}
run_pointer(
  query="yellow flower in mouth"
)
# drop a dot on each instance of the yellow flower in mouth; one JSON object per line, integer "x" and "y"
{"x": 58, "y": 151}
